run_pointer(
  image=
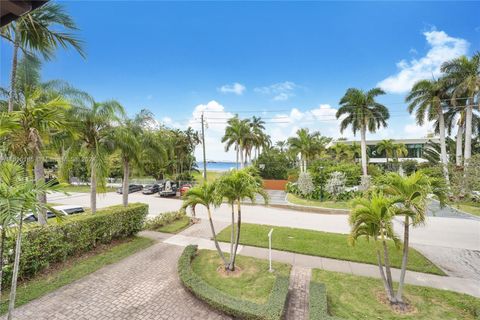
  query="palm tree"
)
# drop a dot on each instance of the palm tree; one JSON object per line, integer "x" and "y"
{"x": 281, "y": 145}
{"x": 258, "y": 131}
{"x": 372, "y": 218}
{"x": 307, "y": 145}
{"x": 40, "y": 31}
{"x": 235, "y": 187}
{"x": 237, "y": 134}
{"x": 399, "y": 150}
{"x": 427, "y": 98}
{"x": 93, "y": 122}
{"x": 463, "y": 79}
{"x": 340, "y": 151}
{"x": 18, "y": 195}
{"x": 412, "y": 194}
{"x": 387, "y": 146}
{"x": 206, "y": 195}
{"x": 362, "y": 113}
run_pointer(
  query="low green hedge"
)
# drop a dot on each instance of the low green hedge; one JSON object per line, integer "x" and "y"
{"x": 163, "y": 219}
{"x": 42, "y": 246}
{"x": 318, "y": 307}
{"x": 238, "y": 308}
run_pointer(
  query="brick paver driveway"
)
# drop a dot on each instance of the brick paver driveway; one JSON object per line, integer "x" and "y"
{"x": 142, "y": 286}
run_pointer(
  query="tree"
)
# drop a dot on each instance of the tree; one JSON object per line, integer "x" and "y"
{"x": 237, "y": 134}
{"x": 40, "y": 31}
{"x": 260, "y": 139}
{"x": 399, "y": 151}
{"x": 426, "y": 97}
{"x": 307, "y": 145}
{"x": 387, "y": 147}
{"x": 206, "y": 194}
{"x": 362, "y": 113}
{"x": 411, "y": 193}
{"x": 18, "y": 195}
{"x": 93, "y": 122}
{"x": 372, "y": 218}
{"x": 236, "y": 186}
{"x": 463, "y": 80}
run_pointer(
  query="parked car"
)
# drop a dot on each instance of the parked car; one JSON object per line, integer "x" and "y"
{"x": 184, "y": 188}
{"x": 151, "y": 189}
{"x": 131, "y": 188}
{"x": 64, "y": 209}
{"x": 168, "y": 189}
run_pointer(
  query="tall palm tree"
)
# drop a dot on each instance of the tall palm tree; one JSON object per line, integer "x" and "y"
{"x": 258, "y": 131}
{"x": 237, "y": 134}
{"x": 40, "y": 31}
{"x": 206, "y": 195}
{"x": 281, "y": 145}
{"x": 237, "y": 186}
{"x": 387, "y": 146}
{"x": 373, "y": 219}
{"x": 463, "y": 79}
{"x": 426, "y": 97}
{"x": 93, "y": 123}
{"x": 18, "y": 195}
{"x": 362, "y": 113}
{"x": 412, "y": 193}
{"x": 307, "y": 144}
{"x": 399, "y": 150}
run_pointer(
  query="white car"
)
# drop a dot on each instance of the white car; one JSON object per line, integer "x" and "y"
{"x": 64, "y": 209}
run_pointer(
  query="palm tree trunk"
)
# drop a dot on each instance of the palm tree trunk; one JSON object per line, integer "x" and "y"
{"x": 39, "y": 173}
{"x": 93, "y": 187}
{"x": 459, "y": 149}
{"x": 363, "y": 147}
{"x": 236, "y": 149}
{"x": 382, "y": 275}
{"x": 388, "y": 271}
{"x": 468, "y": 132}
{"x": 2, "y": 249}
{"x": 241, "y": 158}
{"x": 13, "y": 74}
{"x": 239, "y": 223}
{"x": 443, "y": 146}
{"x": 214, "y": 237}
{"x": 126, "y": 173}
{"x": 16, "y": 264}
{"x": 232, "y": 234}
{"x": 403, "y": 271}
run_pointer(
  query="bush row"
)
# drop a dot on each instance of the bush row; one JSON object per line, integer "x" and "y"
{"x": 42, "y": 246}
{"x": 318, "y": 308}
{"x": 163, "y": 219}
{"x": 272, "y": 310}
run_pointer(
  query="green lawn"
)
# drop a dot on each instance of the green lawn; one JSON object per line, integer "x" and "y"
{"x": 317, "y": 203}
{"x": 469, "y": 207}
{"x": 211, "y": 175}
{"x": 254, "y": 283}
{"x": 83, "y": 189}
{"x": 176, "y": 226}
{"x": 73, "y": 269}
{"x": 355, "y": 297}
{"x": 324, "y": 244}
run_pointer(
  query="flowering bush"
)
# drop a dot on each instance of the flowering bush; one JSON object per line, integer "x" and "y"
{"x": 305, "y": 184}
{"x": 336, "y": 184}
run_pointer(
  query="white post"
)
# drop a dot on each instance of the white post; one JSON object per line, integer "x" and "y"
{"x": 270, "y": 249}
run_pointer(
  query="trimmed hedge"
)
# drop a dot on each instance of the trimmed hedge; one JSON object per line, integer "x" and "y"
{"x": 163, "y": 219}
{"x": 318, "y": 307}
{"x": 238, "y": 308}
{"x": 42, "y": 246}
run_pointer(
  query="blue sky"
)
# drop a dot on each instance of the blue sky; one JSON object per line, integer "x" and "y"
{"x": 290, "y": 61}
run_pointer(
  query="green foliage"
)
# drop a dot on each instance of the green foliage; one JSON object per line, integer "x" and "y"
{"x": 321, "y": 170}
{"x": 274, "y": 164}
{"x": 318, "y": 304}
{"x": 42, "y": 246}
{"x": 163, "y": 219}
{"x": 409, "y": 166}
{"x": 273, "y": 309}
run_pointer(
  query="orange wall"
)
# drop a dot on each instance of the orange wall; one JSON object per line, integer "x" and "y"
{"x": 274, "y": 184}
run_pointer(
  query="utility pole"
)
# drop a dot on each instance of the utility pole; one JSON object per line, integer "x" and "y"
{"x": 204, "y": 154}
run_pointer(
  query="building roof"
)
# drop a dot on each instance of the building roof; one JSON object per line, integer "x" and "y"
{"x": 12, "y": 9}
{"x": 404, "y": 141}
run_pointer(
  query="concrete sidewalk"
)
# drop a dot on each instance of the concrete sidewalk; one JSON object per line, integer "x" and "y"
{"x": 462, "y": 285}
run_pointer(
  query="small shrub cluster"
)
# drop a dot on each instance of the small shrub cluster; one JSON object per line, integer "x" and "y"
{"x": 163, "y": 219}
{"x": 318, "y": 307}
{"x": 42, "y": 246}
{"x": 305, "y": 184}
{"x": 238, "y": 308}
{"x": 336, "y": 184}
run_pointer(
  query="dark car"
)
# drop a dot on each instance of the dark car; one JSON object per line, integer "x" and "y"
{"x": 168, "y": 189}
{"x": 131, "y": 188}
{"x": 151, "y": 189}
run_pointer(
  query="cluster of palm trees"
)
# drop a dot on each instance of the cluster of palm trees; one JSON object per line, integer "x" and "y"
{"x": 391, "y": 149}
{"x": 247, "y": 136}
{"x": 234, "y": 187}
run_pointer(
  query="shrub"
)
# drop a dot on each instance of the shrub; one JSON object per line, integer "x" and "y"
{"x": 409, "y": 166}
{"x": 163, "y": 219}
{"x": 273, "y": 164}
{"x": 336, "y": 184}
{"x": 42, "y": 246}
{"x": 305, "y": 184}
{"x": 321, "y": 169}
{"x": 238, "y": 308}
{"x": 318, "y": 308}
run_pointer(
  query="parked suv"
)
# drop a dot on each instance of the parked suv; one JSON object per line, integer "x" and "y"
{"x": 168, "y": 189}
{"x": 151, "y": 189}
{"x": 131, "y": 188}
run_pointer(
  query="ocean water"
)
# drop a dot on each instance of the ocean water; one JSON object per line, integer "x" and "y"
{"x": 217, "y": 166}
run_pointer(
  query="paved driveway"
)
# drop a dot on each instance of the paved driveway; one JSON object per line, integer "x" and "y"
{"x": 142, "y": 286}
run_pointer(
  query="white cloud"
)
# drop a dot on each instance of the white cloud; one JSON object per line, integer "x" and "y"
{"x": 236, "y": 88}
{"x": 280, "y": 91}
{"x": 442, "y": 48}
